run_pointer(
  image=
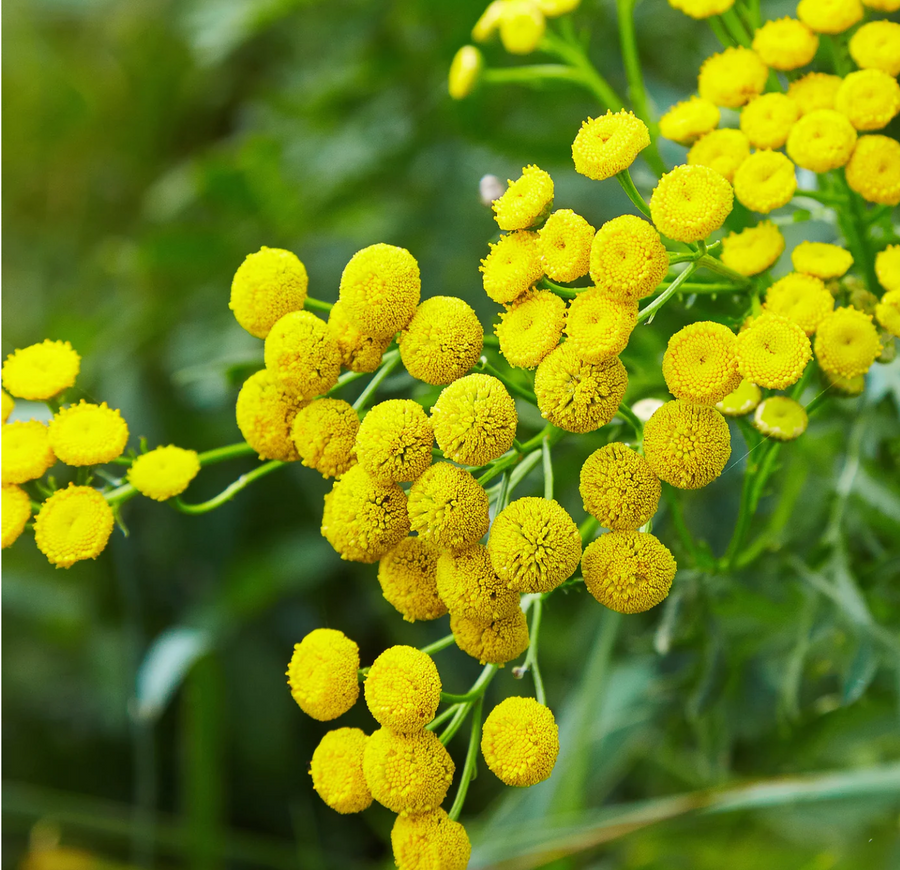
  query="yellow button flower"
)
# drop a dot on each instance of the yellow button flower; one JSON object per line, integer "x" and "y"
{"x": 322, "y": 674}
{"x": 754, "y": 249}
{"x": 86, "y": 434}
{"x": 814, "y": 91}
{"x": 324, "y": 433}
{"x": 767, "y": 120}
{"x": 41, "y": 371}
{"x": 430, "y": 841}
{"x": 723, "y": 150}
{"x": 629, "y": 572}
{"x": 765, "y": 181}
{"x": 302, "y": 353}
{"x": 821, "y": 140}
{"x": 732, "y": 78}
{"x": 887, "y": 312}
{"x": 27, "y": 453}
{"x": 265, "y": 412}
{"x": 337, "y": 771}
{"x": 489, "y": 22}
{"x": 773, "y": 351}
{"x": 741, "y": 401}
{"x": 448, "y": 508}
{"x": 887, "y": 267}
{"x": 702, "y": 8}
{"x": 700, "y": 363}
{"x": 465, "y": 71}
{"x": 266, "y": 286}
{"x": 16, "y": 511}
{"x": 403, "y": 689}
{"x": 829, "y": 16}
{"x": 531, "y": 327}
{"x": 690, "y": 202}
{"x": 470, "y": 587}
{"x": 804, "y": 299}
{"x": 164, "y": 472}
{"x": 555, "y": 8}
{"x": 8, "y": 405}
{"x": 847, "y": 343}
{"x": 609, "y": 144}
{"x": 520, "y": 742}
{"x": 565, "y": 244}
{"x": 512, "y": 267}
{"x": 522, "y": 26}
{"x": 599, "y": 325}
{"x": 883, "y": 5}
{"x": 394, "y": 441}
{"x": 618, "y": 487}
{"x": 781, "y": 418}
{"x": 785, "y": 44}
{"x": 688, "y": 120}
{"x": 359, "y": 352}
{"x": 408, "y": 579}
{"x": 73, "y": 524}
{"x": 876, "y": 45}
{"x": 527, "y": 202}
{"x": 495, "y": 642}
{"x": 628, "y": 258}
{"x": 822, "y": 260}
{"x": 870, "y": 98}
{"x": 874, "y": 169}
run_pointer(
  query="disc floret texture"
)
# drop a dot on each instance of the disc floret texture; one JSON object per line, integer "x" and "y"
{"x": 876, "y": 45}
{"x": 628, "y": 258}
{"x": 491, "y": 642}
{"x": 16, "y": 512}
{"x": 430, "y": 841}
{"x": 512, "y": 266}
{"x": 821, "y": 260}
{"x": 73, "y": 524}
{"x": 609, "y": 144}
{"x": 408, "y": 578}
{"x": 403, "y": 689}
{"x": 531, "y": 327}
{"x": 742, "y": 401}
{"x": 723, "y": 150}
{"x": 815, "y": 90}
{"x": 599, "y": 324}
{"x": 690, "y": 202}
{"x": 821, "y": 140}
{"x": 887, "y": 267}
{"x": 781, "y": 418}
{"x": 265, "y": 413}
{"x": 887, "y": 312}
{"x": 803, "y": 299}
{"x": 266, "y": 286}
{"x": 394, "y": 441}
{"x": 687, "y": 121}
{"x": 874, "y": 169}
{"x": 619, "y": 488}
{"x": 470, "y": 587}
{"x": 565, "y": 245}
{"x": 527, "y": 201}
{"x": 27, "y": 453}
{"x": 88, "y": 434}
{"x": 869, "y": 98}
{"x": 829, "y": 16}
{"x": 448, "y": 508}
{"x": 700, "y": 364}
{"x": 359, "y": 352}
{"x": 785, "y": 44}
{"x": 337, "y": 773}
{"x": 847, "y": 342}
{"x": 767, "y": 120}
{"x": 324, "y": 434}
{"x": 766, "y": 180}
{"x": 302, "y": 354}
{"x": 41, "y": 371}
{"x": 773, "y": 351}
{"x": 322, "y": 674}
{"x": 164, "y": 472}
{"x": 754, "y": 249}
{"x": 520, "y": 742}
{"x": 732, "y": 78}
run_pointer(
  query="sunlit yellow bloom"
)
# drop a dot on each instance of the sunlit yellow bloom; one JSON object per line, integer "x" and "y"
{"x": 829, "y": 16}
{"x": 599, "y": 325}
{"x": 41, "y": 371}
{"x": 336, "y": 770}
{"x": 887, "y": 267}
{"x": 821, "y": 140}
{"x": 301, "y": 352}
{"x": 470, "y": 587}
{"x": 813, "y": 91}
{"x": 403, "y": 689}
{"x": 754, "y": 249}
{"x": 887, "y": 312}
{"x": 609, "y": 144}
{"x": 324, "y": 433}
{"x": 86, "y": 434}
{"x": 767, "y": 120}
{"x": 265, "y": 412}
{"x": 883, "y": 5}
{"x": 702, "y": 8}
{"x": 520, "y": 742}
{"x": 27, "y": 453}
{"x": 465, "y": 70}
{"x": 876, "y": 45}
{"x": 785, "y": 44}
{"x": 73, "y": 524}
{"x": 555, "y": 8}
{"x": 700, "y": 363}
{"x": 773, "y": 351}
{"x": 164, "y": 472}
{"x": 690, "y": 202}
{"x": 781, "y": 418}
{"x": 870, "y": 98}
{"x": 732, "y": 77}
{"x": 723, "y": 150}
{"x": 565, "y": 243}
{"x": 430, "y": 841}
{"x": 804, "y": 299}
{"x": 408, "y": 579}
{"x": 522, "y": 26}
{"x": 618, "y": 487}
{"x": 874, "y": 169}
{"x": 448, "y": 508}
{"x": 822, "y": 260}
{"x": 322, "y": 674}
{"x": 766, "y": 180}
{"x": 394, "y": 441}
{"x": 8, "y": 405}
{"x": 531, "y": 327}
{"x": 527, "y": 201}
{"x": 690, "y": 119}
{"x": 16, "y": 512}
{"x": 266, "y": 286}
{"x": 512, "y": 266}
{"x": 359, "y": 352}
{"x": 495, "y": 642}
{"x": 742, "y": 401}
{"x": 489, "y": 22}
{"x": 847, "y": 342}
{"x": 628, "y": 258}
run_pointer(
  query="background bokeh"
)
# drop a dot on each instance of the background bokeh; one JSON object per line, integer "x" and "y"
{"x": 148, "y": 147}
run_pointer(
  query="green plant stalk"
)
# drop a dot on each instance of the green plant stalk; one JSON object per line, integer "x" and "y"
{"x": 438, "y": 645}
{"x": 499, "y": 466}
{"x": 559, "y": 290}
{"x": 587, "y": 74}
{"x": 828, "y": 199}
{"x": 510, "y": 385}
{"x": 317, "y": 304}
{"x": 344, "y": 379}
{"x": 534, "y": 74}
{"x": 469, "y": 765}
{"x": 229, "y": 492}
{"x": 588, "y": 529}
{"x": 628, "y": 415}
{"x": 667, "y": 294}
{"x": 856, "y": 222}
{"x": 718, "y": 28}
{"x": 835, "y": 48}
{"x": 708, "y": 262}
{"x": 531, "y": 659}
{"x": 491, "y": 340}
{"x": 736, "y": 27}
{"x": 548, "y": 468}
{"x": 627, "y": 182}
{"x": 681, "y": 528}
{"x": 477, "y": 690}
{"x": 442, "y": 717}
{"x": 389, "y": 362}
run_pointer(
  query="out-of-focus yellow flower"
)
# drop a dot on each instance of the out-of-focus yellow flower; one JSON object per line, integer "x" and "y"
{"x": 599, "y": 325}
{"x": 522, "y": 26}
{"x": 465, "y": 71}
{"x": 821, "y": 140}
{"x": 86, "y": 434}
{"x": 846, "y": 386}
{"x": 785, "y": 44}
{"x": 448, "y": 508}
{"x": 8, "y": 405}
{"x": 16, "y": 512}
{"x": 741, "y": 401}
{"x": 489, "y": 22}
{"x": 767, "y": 120}
{"x": 555, "y": 8}
{"x": 781, "y": 418}
{"x": 690, "y": 119}
{"x": 520, "y": 742}
{"x": 565, "y": 243}
{"x": 804, "y": 299}
{"x": 766, "y": 180}
{"x": 700, "y": 365}
{"x": 829, "y": 16}
{"x": 495, "y": 642}
{"x": 773, "y": 351}
{"x": 164, "y": 472}
{"x": 512, "y": 266}
{"x": 732, "y": 78}
{"x": 531, "y": 327}
{"x": 754, "y": 249}
{"x": 870, "y": 98}
{"x": 302, "y": 354}
{"x": 403, "y": 689}
{"x": 887, "y": 267}
{"x": 426, "y": 841}
{"x": 882, "y": 5}
{"x": 41, "y": 371}
{"x": 609, "y": 144}
{"x": 847, "y": 342}
{"x": 324, "y": 433}
{"x": 337, "y": 772}
{"x": 628, "y": 258}
{"x": 322, "y": 674}
{"x": 394, "y": 441}
{"x": 618, "y": 487}
{"x": 876, "y": 45}
{"x": 702, "y": 8}
{"x": 814, "y": 91}
{"x": 265, "y": 413}
{"x": 359, "y": 352}
{"x": 822, "y": 260}
{"x": 723, "y": 150}
{"x": 266, "y": 286}
{"x": 408, "y": 579}
{"x": 887, "y": 312}
{"x": 27, "y": 453}
{"x": 527, "y": 201}
{"x": 73, "y": 524}
{"x": 874, "y": 169}
{"x": 470, "y": 587}
{"x": 690, "y": 202}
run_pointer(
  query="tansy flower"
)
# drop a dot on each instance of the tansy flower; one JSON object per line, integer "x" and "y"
{"x": 474, "y": 420}
{"x": 804, "y": 299}
{"x": 741, "y": 401}
{"x": 628, "y": 258}
{"x": 302, "y": 353}
{"x": 73, "y": 524}
{"x": 765, "y": 181}
{"x": 883, "y": 5}
{"x": 686, "y": 445}
{"x": 531, "y": 327}
{"x": 874, "y": 169}
{"x": 86, "y": 434}
{"x": 700, "y": 363}
{"x": 469, "y": 586}
{"x": 407, "y": 773}
{"x": 723, "y": 150}
{"x": 522, "y": 26}
{"x": 687, "y": 121}
{"x": 773, "y": 351}
{"x": 629, "y": 572}
{"x": 489, "y": 22}
{"x": 448, "y": 508}
{"x": 359, "y": 352}
{"x": 732, "y": 77}
{"x": 16, "y": 511}
{"x": 555, "y": 8}
{"x": 781, "y": 418}
{"x": 565, "y": 245}
{"x": 520, "y": 741}
{"x": 266, "y": 286}
{"x": 322, "y": 674}
{"x": 876, "y": 45}
{"x": 609, "y": 144}
{"x": 846, "y": 386}
{"x": 578, "y": 396}
{"x": 495, "y": 642}
{"x": 599, "y": 325}
{"x": 394, "y": 441}
{"x": 337, "y": 772}
{"x": 8, "y": 405}
{"x": 702, "y": 8}
{"x": 465, "y": 70}
{"x": 426, "y": 841}
{"x": 690, "y": 202}
{"x": 767, "y": 120}
{"x": 164, "y": 472}
{"x": 821, "y": 140}
{"x": 870, "y": 98}
{"x": 27, "y": 453}
{"x": 324, "y": 433}
{"x": 265, "y": 413}
{"x": 785, "y": 44}
{"x": 822, "y": 260}
{"x": 41, "y": 371}
{"x": 512, "y": 266}
{"x": 887, "y": 267}
{"x": 813, "y": 91}
{"x": 408, "y": 579}
{"x": 527, "y": 202}
{"x": 534, "y": 545}
{"x": 829, "y": 16}
{"x": 887, "y": 312}
{"x": 618, "y": 487}
{"x": 443, "y": 340}
{"x": 847, "y": 342}
{"x": 754, "y": 249}
{"x": 403, "y": 689}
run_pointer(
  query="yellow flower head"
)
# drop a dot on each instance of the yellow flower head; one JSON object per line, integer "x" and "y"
{"x": 876, "y": 45}
{"x": 883, "y": 5}
{"x": 847, "y": 342}
{"x": 16, "y": 513}
{"x": 41, "y": 371}
{"x": 465, "y": 71}
{"x": 408, "y": 774}
{"x": 870, "y": 98}
{"x": 73, "y": 524}
{"x": 887, "y": 267}
{"x": 495, "y": 642}
{"x": 687, "y": 445}
{"x": 302, "y": 353}
{"x": 732, "y": 77}
{"x": 785, "y": 44}
{"x": 474, "y": 420}
{"x": 534, "y": 545}
{"x": 337, "y": 772}
{"x": 687, "y": 121}
{"x": 522, "y": 26}
{"x": 555, "y": 8}
{"x": 430, "y": 841}
{"x": 266, "y": 286}
{"x": 754, "y": 249}
{"x": 322, "y": 674}
{"x": 324, "y": 433}
{"x": 846, "y": 386}
{"x": 690, "y": 202}
{"x": 766, "y": 180}
{"x": 27, "y": 453}
{"x": 829, "y": 16}
{"x": 164, "y": 472}
{"x": 804, "y": 299}
{"x": 364, "y": 519}
{"x": 887, "y": 312}
{"x": 512, "y": 266}
{"x": 767, "y": 120}
{"x": 8, "y": 405}
{"x": 618, "y": 487}
{"x": 531, "y": 327}
{"x": 527, "y": 202}
{"x": 578, "y": 396}
{"x": 520, "y": 742}
{"x": 469, "y": 586}
{"x": 599, "y": 325}
{"x": 781, "y": 418}
{"x": 609, "y": 144}
{"x": 628, "y": 258}
{"x": 86, "y": 434}
{"x": 821, "y": 140}
{"x": 723, "y": 150}
{"x": 814, "y": 91}
{"x": 565, "y": 244}
{"x": 822, "y": 260}
{"x": 403, "y": 689}
{"x": 489, "y": 22}
{"x": 741, "y": 401}
{"x": 773, "y": 351}
{"x": 394, "y": 441}
{"x": 874, "y": 169}
{"x": 265, "y": 412}
{"x": 629, "y": 572}
{"x": 408, "y": 579}
{"x": 700, "y": 363}
{"x": 448, "y": 508}
{"x": 359, "y": 352}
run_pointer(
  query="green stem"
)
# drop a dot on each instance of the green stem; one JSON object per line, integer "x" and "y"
{"x": 531, "y": 660}
{"x": 838, "y": 58}
{"x": 718, "y": 28}
{"x": 317, "y": 304}
{"x": 735, "y": 27}
{"x": 563, "y": 292}
{"x": 532, "y": 75}
{"x": 521, "y": 392}
{"x": 573, "y": 54}
{"x": 588, "y": 529}
{"x": 709, "y": 262}
{"x": 633, "y": 193}
{"x": 469, "y": 765}
{"x": 632, "y": 419}
{"x": 477, "y": 690}
{"x": 442, "y": 717}
{"x": 857, "y": 221}
{"x": 819, "y": 196}
{"x": 229, "y": 451}
{"x": 344, "y": 379}
{"x": 438, "y": 645}
{"x": 491, "y": 341}
{"x": 548, "y": 469}
{"x": 389, "y": 363}
{"x": 681, "y": 528}
{"x": 664, "y": 297}
{"x": 229, "y": 492}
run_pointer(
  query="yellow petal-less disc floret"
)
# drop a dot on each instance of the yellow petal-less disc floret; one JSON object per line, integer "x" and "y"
{"x": 527, "y": 201}
{"x": 408, "y": 579}
{"x": 565, "y": 244}
{"x": 522, "y": 26}
{"x": 700, "y": 363}
{"x": 394, "y": 441}
{"x": 687, "y": 121}
{"x": 766, "y": 180}
{"x": 804, "y": 299}
{"x": 266, "y": 286}
{"x": 465, "y": 71}
{"x": 702, "y": 8}
{"x": 829, "y": 16}
{"x": 27, "y": 453}
{"x": 41, "y": 371}
{"x": 754, "y": 249}
{"x": 814, "y": 91}
{"x": 430, "y": 841}
{"x": 531, "y": 327}
{"x": 781, "y": 418}
{"x": 164, "y": 472}
{"x": 324, "y": 433}
{"x": 359, "y": 352}
{"x": 628, "y": 258}
{"x": 512, "y": 266}
{"x": 495, "y": 642}
{"x": 767, "y": 120}
{"x": 337, "y": 772}
{"x": 302, "y": 353}
{"x": 847, "y": 342}
{"x": 609, "y": 144}
{"x": 732, "y": 78}
{"x": 883, "y": 5}
{"x": 618, "y": 487}
{"x": 742, "y": 401}
{"x": 773, "y": 351}
{"x": 86, "y": 434}
{"x": 887, "y": 312}
{"x": 322, "y": 674}
{"x": 629, "y": 572}
{"x": 575, "y": 395}
{"x": 874, "y": 169}
{"x": 534, "y": 545}
{"x": 470, "y": 587}
{"x": 887, "y": 267}
{"x": 489, "y": 21}
{"x": 8, "y": 405}
{"x": 822, "y": 260}
{"x": 73, "y": 524}
{"x": 876, "y": 45}
{"x": 870, "y": 98}
{"x": 723, "y": 150}
{"x": 785, "y": 44}
{"x": 265, "y": 412}
{"x": 520, "y": 742}
{"x": 821, "y": 140}
{"x": 690, "y": 202}
{"x": 687, "y": 445}
{"x": 448, "y": 508}
{"x": 16, "y": 511}
{"x": 599, "y": 325}
{"x": 403, "y": 689}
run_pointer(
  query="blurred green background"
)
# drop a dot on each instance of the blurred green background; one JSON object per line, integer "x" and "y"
{"x": 148, "y": 147}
